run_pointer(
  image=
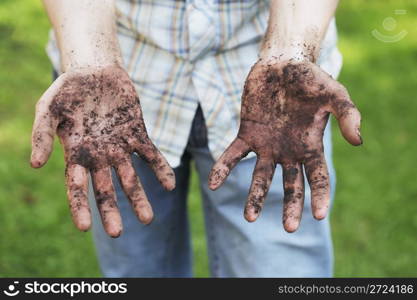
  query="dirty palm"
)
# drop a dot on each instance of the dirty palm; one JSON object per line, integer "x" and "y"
{"x": 285, "y": 107}
{"x": 96, "y": 114}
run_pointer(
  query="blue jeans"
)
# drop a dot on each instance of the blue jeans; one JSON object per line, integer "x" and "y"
{"x": 236, "y": 248}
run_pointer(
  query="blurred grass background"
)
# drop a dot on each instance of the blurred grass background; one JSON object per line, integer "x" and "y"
{"x": 375, "y": 213}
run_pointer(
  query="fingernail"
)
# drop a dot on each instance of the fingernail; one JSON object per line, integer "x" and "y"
{"x": 360, "y": 136}
{"x": 251, "y": 214}
{"x": 146, "y": 217}
{"x": 213, "y": 183}
{"x": 290, "y": 227}
{"x": 35, "y": 164}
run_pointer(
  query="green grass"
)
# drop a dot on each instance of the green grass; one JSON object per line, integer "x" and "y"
{"x": 375, "y": 213}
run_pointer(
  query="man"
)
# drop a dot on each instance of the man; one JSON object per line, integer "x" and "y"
{"x": 188, "y": 61}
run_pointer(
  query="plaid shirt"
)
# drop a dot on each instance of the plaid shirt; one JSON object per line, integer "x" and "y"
{"x": 182, "y": 53}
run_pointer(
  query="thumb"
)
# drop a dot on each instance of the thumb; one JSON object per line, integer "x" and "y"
{"x": 348, "y": 117}
{"x": 44, "y": 127}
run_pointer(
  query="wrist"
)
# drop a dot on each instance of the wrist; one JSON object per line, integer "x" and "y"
{"x": 294, "y": 51}
{"x": 95, "y": 62}
{"x": 90, "y": 55}
{"x": 86, "y": 32}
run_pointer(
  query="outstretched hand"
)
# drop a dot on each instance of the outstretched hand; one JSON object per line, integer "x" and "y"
{"x": 285, "y": 108}
{"x": 97, "y": 115}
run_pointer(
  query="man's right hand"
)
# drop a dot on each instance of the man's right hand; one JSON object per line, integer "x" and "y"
{"x": 96, "y": 113}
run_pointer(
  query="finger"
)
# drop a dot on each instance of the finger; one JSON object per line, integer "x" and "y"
{"x": 318, "y": 179}
{"x": 261, "y": 180}
{"x": 134, "y": 191}
{"x": 44, "y": 126}
{"x": 293, "y": 180}
{"x": 227, "y": 161}
{"x": 106, "y": 201}
{"x": 77, "y": 192}
{"x": 348, "y": 117}
{"x": 154, "y": 158}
